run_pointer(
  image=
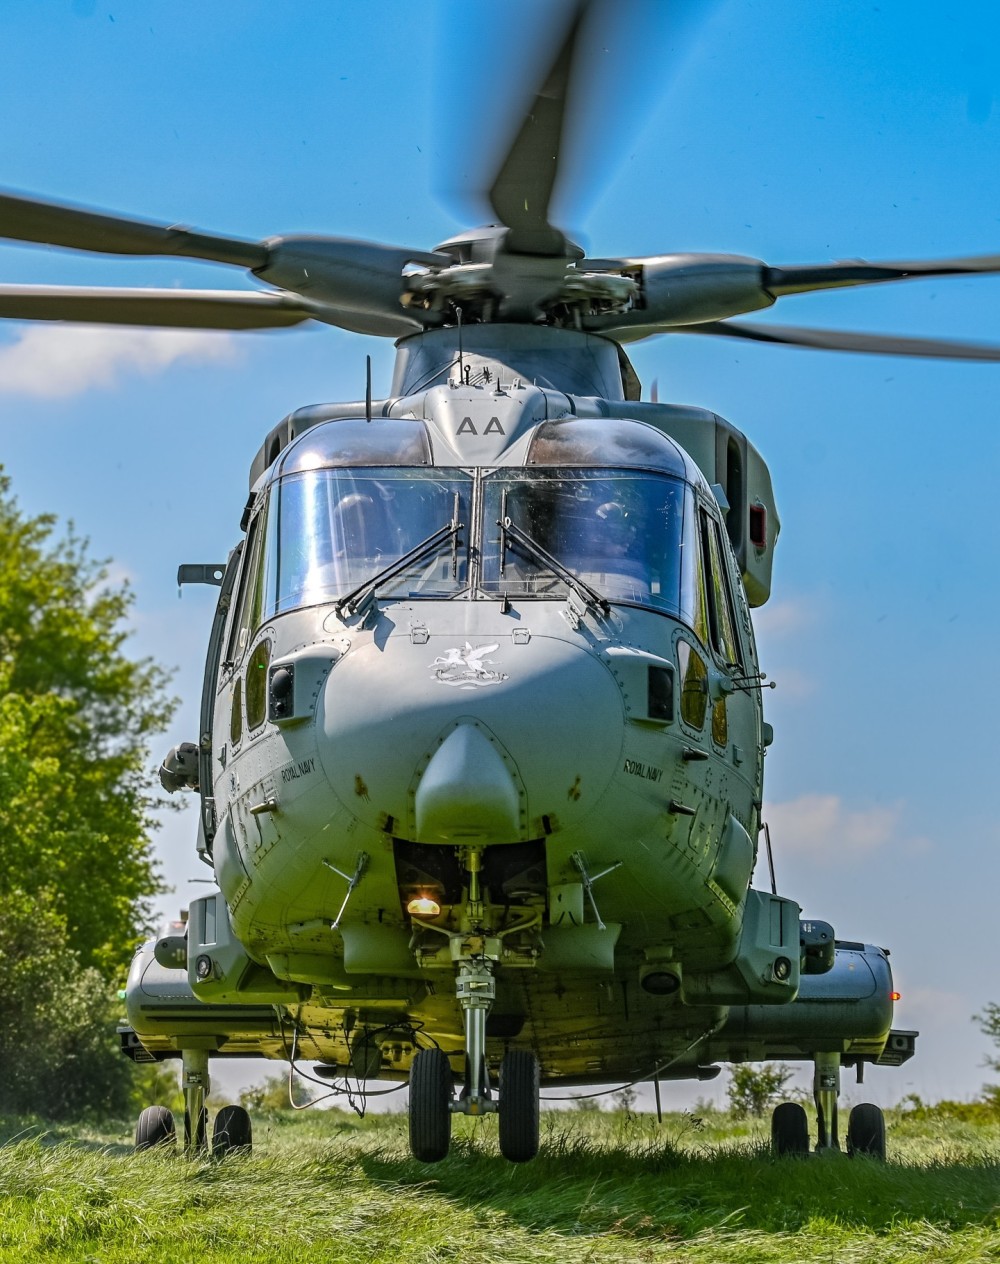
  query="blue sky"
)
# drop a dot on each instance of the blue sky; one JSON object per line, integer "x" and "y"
{"x": 794, "y": 132}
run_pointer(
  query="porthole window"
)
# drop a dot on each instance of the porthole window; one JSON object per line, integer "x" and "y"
{"x": 257, "y": 684}
{"x": 694, "y": 685}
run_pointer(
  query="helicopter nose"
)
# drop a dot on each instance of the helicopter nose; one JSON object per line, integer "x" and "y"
{"x": 466, "y": 791}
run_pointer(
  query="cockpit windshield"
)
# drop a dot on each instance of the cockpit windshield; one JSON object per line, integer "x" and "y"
{"x": 331, "y": 530}
{"x": 619, "y": 531}
{"x": 538, "y": 532}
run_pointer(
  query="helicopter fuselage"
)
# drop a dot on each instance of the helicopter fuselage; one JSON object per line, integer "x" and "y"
{"x": 484, "y": 687}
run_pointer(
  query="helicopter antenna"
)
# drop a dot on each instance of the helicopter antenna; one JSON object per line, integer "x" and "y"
{"x": 461, "y": 357}
{"x": 770, "y": 858}
{"x": 368, "y": 388}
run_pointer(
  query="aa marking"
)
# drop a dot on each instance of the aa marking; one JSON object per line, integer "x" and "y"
{"x": 492, "y": 427}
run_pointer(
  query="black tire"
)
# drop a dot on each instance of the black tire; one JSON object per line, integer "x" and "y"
{"x": 232, "y": 1131}
{"x": 202, "y": 1140}
{"x": 866, "y": 1132}
{"x": 431, "y": 1091}
{"x": 789, "y": 1130}
{"x": 519, "y": 1105}
{"x": 155, "y": 1128}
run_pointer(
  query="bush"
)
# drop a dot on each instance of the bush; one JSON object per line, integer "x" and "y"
{"x": 752, "y": 1090}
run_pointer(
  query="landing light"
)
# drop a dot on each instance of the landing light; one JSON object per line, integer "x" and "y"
{"x": 423, "y": 906}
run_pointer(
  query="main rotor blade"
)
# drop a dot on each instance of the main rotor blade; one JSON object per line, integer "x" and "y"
{"x": 836, "y": 340}
{"x": 523, "y": 186}
{"x": 829, "y": 276}
{"x": 77, "y": 228}
{"x": 179, "y": 309}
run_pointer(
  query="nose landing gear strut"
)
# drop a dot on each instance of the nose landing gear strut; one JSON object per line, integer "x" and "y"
{"x": 476, "y": 953}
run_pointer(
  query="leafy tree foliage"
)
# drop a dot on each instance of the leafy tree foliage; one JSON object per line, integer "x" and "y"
{"x": 751, "y": 1090}
{"x": 76, "y": 866}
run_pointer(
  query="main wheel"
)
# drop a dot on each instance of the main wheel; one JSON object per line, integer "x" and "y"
{"x": 866, "y": 1132}
{"x": 519, "y": 1105}
{"x": 155, "y": 1128}
{"x": 789, "y": 1130}
{"x": 232, "y": 1131}
{"x": 431, "y": 1091}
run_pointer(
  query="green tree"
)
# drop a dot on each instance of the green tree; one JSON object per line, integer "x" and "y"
{"x": 751, "y": 1090}
{"x": 77, "y": 872}
{"x": 989, "y": 1021}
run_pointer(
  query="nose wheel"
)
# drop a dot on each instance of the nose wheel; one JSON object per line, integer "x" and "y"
{"x": 432, "y": 1099}
{"x": 519, "y": 1105}
{"x": 431, "y": 1092}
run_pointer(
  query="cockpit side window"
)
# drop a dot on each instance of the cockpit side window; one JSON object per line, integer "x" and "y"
{"x": 248, "y": 598}
{"x": 720, "y": 612}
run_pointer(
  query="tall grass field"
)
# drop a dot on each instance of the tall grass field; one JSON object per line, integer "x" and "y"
{"x": 607, "y": 1186}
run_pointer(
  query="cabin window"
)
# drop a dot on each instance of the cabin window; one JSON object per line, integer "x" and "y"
{"x": 236, "y": 714}
{"x": 618, "y": 531}
{"x": 720, "y": 723}
{"x": 256, "y": 686}
{"x": 335, "y": 529}
{"x": 694, "y": 685}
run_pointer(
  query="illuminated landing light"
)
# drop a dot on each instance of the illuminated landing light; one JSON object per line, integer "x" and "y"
{"x": 423, "y": 906}
{"x": 895, "y": 996}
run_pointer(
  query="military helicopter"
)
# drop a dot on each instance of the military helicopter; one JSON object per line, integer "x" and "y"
{"x": 480, "y": 755}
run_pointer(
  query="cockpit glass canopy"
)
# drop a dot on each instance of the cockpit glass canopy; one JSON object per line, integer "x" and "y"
{"x": 330, "y": 531}
{"x": 608, "y": 442}
{"x": 620, "y": 532}
{"x": 356, "y": 442}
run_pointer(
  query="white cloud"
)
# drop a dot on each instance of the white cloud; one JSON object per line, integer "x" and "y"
{"x": 54, "y": 361}
{"x": 789, "y": 617}
{"x": 821, "y": 826}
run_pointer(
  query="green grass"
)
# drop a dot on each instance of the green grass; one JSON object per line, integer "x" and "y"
{"x": 605, "y": 1187}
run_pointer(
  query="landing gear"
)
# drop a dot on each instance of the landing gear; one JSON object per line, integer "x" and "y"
{"x": 431, "y": 1092}
{"x": 789, "y": 1130}
{"x": 866, "y": 1132}
{"x": 232, "y": 1132}
{"x": 155, "y": 1128}
{"x": 232, "y": 1124}
{"x": 519, "y": 1106}
{"x": 826, "y": 1091}
{"x": 196, "y": 1086}
{"x": 865, "y": 1125}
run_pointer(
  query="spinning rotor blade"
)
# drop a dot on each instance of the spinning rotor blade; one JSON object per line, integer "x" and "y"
{"x": 181, "y": 309}
{"x": 523, "y": 186}
{"x": 830, "y": 276}
{"x": 836, "y": 340}
{"x": 76, "y": 228}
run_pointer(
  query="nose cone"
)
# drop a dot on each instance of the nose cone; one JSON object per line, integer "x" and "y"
{"x": 419, "y": 742}
{"x": 467, "y": 791}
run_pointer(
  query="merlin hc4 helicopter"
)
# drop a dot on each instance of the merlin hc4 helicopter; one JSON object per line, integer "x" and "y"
{"x": 481, "y": 738}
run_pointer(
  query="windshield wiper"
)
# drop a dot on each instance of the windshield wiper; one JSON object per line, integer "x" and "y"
{"x": 358, "y": 597}
{"x": 590, "y": 595}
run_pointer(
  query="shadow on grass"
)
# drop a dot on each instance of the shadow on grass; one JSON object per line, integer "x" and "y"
{"x": 47, "y": 1133}
{"x": 651, "y": 1187}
